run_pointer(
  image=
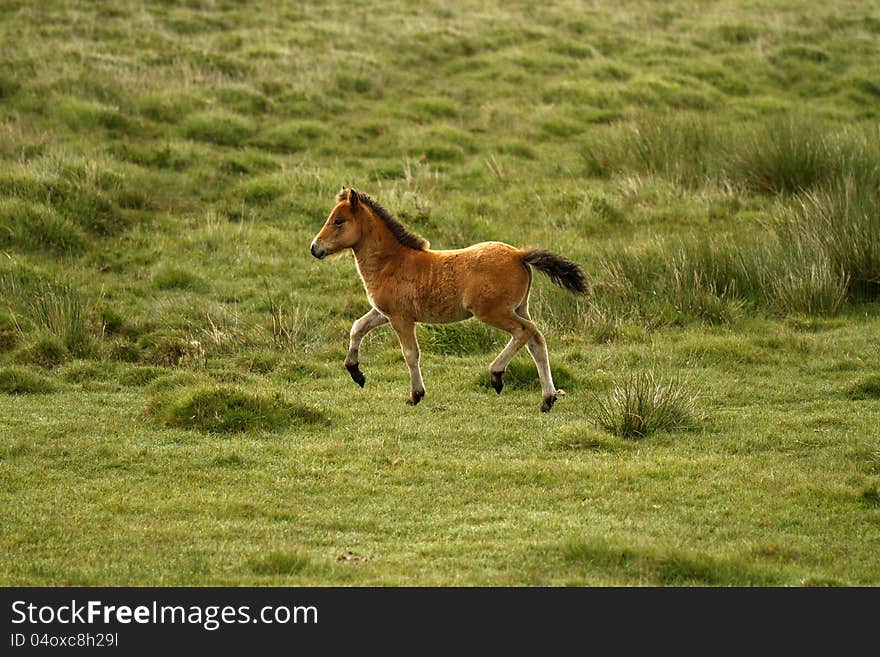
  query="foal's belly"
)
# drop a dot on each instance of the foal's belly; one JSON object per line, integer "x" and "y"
{"x": 423, "y": 307}
{"x": 447, "y": 317}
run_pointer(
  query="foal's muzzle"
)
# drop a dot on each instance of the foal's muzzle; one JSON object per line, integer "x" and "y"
{"x": 318, "y": 252}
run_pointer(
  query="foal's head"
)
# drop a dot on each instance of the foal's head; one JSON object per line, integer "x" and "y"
{"x": 343, "y": 228}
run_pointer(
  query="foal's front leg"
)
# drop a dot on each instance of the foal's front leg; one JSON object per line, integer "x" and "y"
{"x": 359, "y": 329}
{"x": 406, "y": 333}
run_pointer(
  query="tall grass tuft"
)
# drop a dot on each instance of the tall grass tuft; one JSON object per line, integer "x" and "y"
{"x": 784, "y": 156}
{"x": 786, "y": 271}
{"x": 683, "y": 148}
{"x": 9, "y": 333}
{"x": 809, "y": 285}
{"x": 645, "y": 402}
{"x": 842, "y": 222}
{"x": 290, "y": 327}
{"x": 59, "y": 310}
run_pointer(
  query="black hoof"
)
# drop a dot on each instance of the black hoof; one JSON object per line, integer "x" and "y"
{"x": 497, "y": 380}
{"x": 356, "y": 374}
{"x": 548, "y": 403}
{"x": 416, "y": 397}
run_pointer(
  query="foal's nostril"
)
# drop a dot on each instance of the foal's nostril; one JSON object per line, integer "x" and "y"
{"x": 312, "y": 249}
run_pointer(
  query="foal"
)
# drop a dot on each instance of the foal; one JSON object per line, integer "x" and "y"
{"x": 406, "y": 283}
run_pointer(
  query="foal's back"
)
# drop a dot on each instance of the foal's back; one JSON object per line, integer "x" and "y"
{"x": 449, "y": 286}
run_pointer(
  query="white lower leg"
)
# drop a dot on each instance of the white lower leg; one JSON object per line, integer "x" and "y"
{"x": 359, "y": 330}
{"x": 417, "y": 385}
{"x": 537, "y": 347}
{"x": 503, "y": 359}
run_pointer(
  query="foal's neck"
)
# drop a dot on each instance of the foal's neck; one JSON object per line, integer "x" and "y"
{"x": 378, "y": 254}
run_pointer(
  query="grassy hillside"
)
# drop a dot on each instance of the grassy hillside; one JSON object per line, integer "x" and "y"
{"x": 173, "y": 405}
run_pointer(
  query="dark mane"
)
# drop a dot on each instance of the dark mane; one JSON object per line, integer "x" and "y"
{"x": 403, "y": 235}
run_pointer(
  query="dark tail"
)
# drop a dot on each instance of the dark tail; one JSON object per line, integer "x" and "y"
{"x": 561, "y": 271}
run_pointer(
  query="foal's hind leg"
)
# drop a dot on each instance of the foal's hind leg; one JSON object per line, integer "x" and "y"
{"x": 521, "y": 330}
{"x": 537, "y": 347}
{"x": 498, "y": 367}
{"x": 359, "y": 329}
{"x": 524, "y": 333}
{"x": 406, "y": 333}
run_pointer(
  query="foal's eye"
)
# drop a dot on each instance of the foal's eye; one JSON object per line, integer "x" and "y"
{"x": 339, "y": 222}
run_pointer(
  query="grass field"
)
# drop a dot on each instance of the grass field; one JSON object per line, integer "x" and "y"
{"x": 173, "y": 405}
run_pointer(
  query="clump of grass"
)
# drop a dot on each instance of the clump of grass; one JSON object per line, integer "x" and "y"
{"x": 177, "y": 278}
{"x": 83, "y": 372}
{"x": 870, "y": 497}
{"x": 167, "y": 107}
{"x": 244, "y": 162}
{"x": 867, "y": 388}
{"x": 291, "y": 327}
{"x": 811, "y": 287}
{"x": 738, "y": 33}
{"x": 823, "y": 582}
{"x": 602, "y": 322}
{"x": 83, "y": 115}
{"x": 124, "y": 351}
{"x": 841, "y": 223}
{"x": 170, "y": 351}
{"x": 165, "y": 382}
{"x": 281, "y": 563}
{"x": 19, "y": 381}
{"x": 682, "y": 568}
{"x": 717, "y": 280}
{"x": 262, "y": 191}
{"x": 784, "y": 155}
{"x": 645, "y": 402}
{"x": 9, "y": 333}
{"x": 34, "y": 226}
{"x": 77, "y": 192}
{"x": 291, "y": 137}
{"x": 243, "y": 99}
{"x": 58, "y": 309}
{"x": 139, "y": 376}
{"x": 694, "y": 293}
{"x": 165, "y": 156}
{"x": 45, "y": 350}
{"x": 222, "y": 409}
{"x": 678, "y": 147}
{"x": 112, "y": 321}
{"x": 668, "y": 566}
{"x": 218, "y": 127}
{"x": 263, "y": 361}
{"x": 232, "y": 460}
{"x": 459, "y": 339}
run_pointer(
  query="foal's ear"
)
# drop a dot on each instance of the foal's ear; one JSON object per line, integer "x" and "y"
{"x": 353, "y": 199}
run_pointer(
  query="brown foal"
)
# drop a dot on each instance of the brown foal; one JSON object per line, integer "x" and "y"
{"x": 406, "y": 282}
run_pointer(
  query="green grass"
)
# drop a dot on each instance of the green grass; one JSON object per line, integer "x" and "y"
{"x": 18, "y": 381}
{"x": 867, "y": 388}
{"x": 673, "y": 567}
{"x": 714, "y": 171}
{"x": 227, "y": 410}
